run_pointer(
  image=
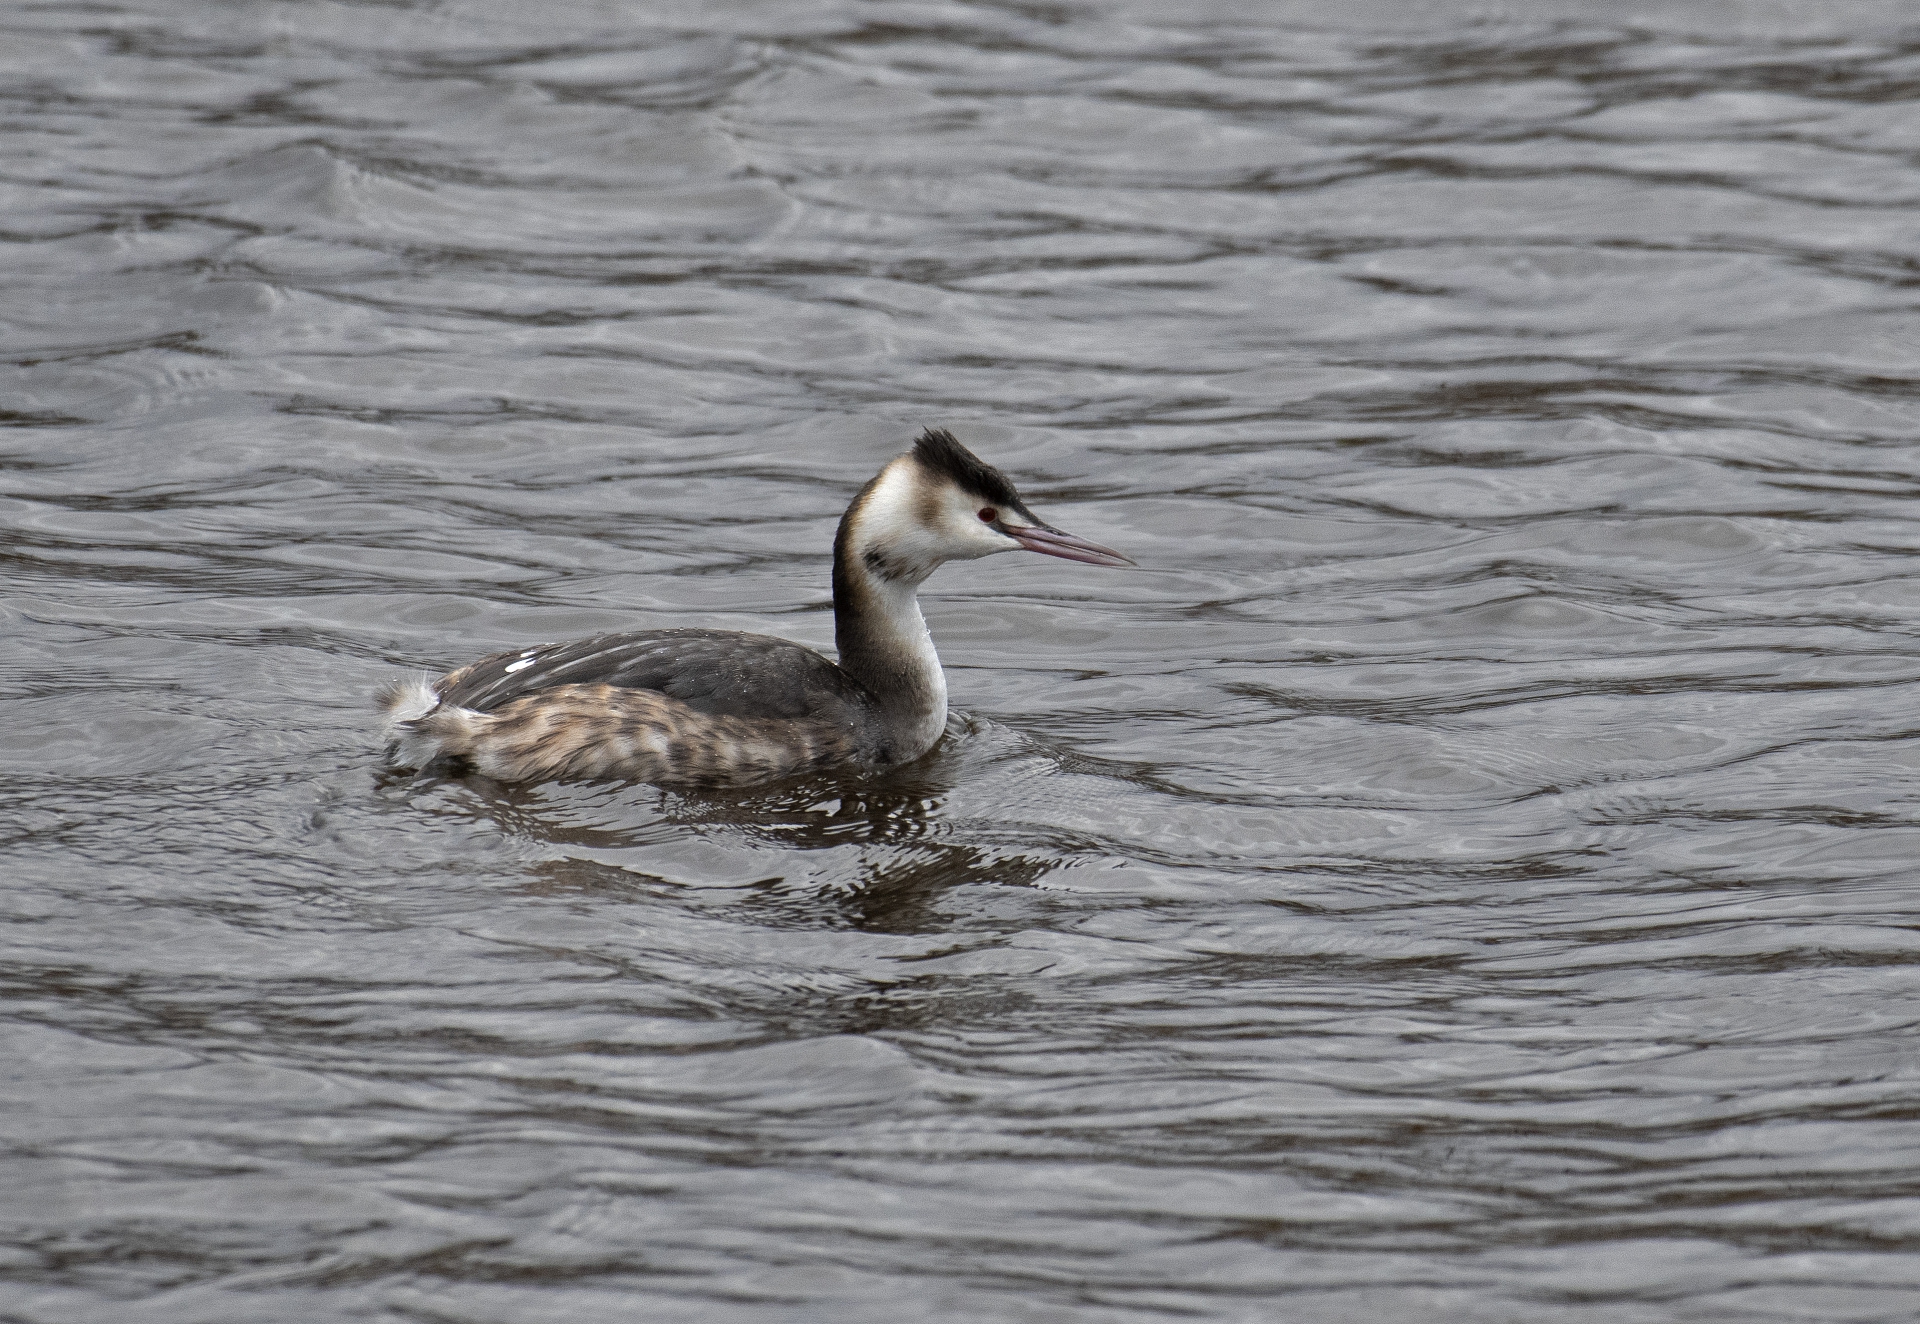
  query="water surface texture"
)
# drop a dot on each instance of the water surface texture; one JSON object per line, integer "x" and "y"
{"x": 1469, "y": 873}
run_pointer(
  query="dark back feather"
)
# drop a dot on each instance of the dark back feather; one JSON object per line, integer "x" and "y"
{"x": 718, "y": 672}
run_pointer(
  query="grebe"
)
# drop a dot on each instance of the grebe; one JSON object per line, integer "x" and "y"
{"x": 722, "y": 708}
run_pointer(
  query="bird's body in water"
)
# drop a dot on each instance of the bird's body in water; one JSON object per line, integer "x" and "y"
{"x": 722, "y": 708}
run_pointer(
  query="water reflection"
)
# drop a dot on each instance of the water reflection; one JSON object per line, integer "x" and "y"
{"x": 890, "y": 827}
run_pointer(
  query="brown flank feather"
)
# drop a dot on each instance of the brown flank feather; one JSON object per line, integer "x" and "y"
{"x": 585, "y": 732}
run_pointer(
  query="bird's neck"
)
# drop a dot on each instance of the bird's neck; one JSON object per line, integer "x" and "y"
{"x": 884, "y": 645}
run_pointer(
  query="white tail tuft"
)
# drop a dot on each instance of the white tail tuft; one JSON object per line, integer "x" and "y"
{"x": 406, "y": 700}
{"x": 406, "y": 703}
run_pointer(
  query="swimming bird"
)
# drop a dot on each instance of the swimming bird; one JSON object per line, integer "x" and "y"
{"x": 724, "y": 708}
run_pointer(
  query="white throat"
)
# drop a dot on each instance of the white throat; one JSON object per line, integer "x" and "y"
{"x": 911, "y": 644}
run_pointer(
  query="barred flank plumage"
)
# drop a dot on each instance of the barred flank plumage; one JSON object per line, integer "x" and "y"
{"x": 583, "y": 732}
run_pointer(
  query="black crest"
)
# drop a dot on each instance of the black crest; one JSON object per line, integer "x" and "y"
{"x": 939, "y": 451}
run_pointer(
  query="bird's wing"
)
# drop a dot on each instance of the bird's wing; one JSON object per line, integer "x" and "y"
{"x": 720, "y": 672}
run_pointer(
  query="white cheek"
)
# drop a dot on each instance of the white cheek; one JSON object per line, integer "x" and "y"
{"x": 970, "y": 536}
{"x": 896, "y": 521}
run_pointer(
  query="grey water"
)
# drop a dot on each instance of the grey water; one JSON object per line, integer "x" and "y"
{"x": 1470, "y": 872}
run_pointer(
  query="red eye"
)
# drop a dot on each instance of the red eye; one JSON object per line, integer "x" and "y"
{"x": 989, "y": 514}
